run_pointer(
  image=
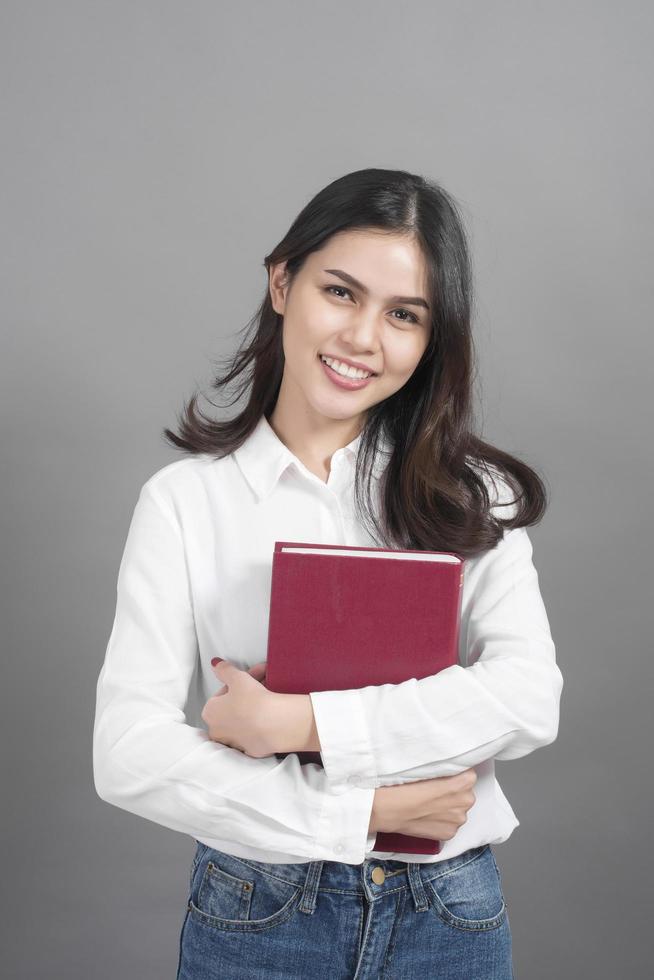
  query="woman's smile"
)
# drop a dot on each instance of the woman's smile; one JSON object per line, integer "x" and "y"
{"x": 342, "y": 380}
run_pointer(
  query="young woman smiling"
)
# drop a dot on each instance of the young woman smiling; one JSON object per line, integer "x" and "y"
{"x": 357, "y": 429}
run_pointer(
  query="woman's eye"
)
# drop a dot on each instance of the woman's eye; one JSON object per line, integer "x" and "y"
{"x": 413, "y": 317}
{"x": 342, "y": 289}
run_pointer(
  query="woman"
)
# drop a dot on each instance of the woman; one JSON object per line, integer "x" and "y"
{"x": 373, "y": 274}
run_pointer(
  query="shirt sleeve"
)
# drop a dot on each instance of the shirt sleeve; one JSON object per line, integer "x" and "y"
{"x": 148, "y": 760}
{"x": 502, "y": 704}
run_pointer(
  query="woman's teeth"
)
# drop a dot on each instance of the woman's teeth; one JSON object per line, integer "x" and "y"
{"x": 345, "y": 369}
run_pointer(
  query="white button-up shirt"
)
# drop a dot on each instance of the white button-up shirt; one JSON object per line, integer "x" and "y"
{"x": 194, "y": 582}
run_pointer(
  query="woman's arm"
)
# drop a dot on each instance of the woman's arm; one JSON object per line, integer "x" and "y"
{"x": 502, "y": 705}
{"x": 149, "y": 761}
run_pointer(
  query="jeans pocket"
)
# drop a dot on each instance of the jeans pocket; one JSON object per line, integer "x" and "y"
{"x": 467, "y": 894}
{"x": 234, "y": 895}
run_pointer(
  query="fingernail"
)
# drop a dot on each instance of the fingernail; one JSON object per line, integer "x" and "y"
{"x": 216, "y": 660}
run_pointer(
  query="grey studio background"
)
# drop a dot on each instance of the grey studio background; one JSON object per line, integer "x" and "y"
{"x": 154, "y": 152}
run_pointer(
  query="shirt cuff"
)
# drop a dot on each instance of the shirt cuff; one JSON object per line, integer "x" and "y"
{"x": 343, "y": 826}
{"x": 345, "y": 745}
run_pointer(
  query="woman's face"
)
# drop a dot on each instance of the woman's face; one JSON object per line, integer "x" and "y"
{"x": 327, "y": 313}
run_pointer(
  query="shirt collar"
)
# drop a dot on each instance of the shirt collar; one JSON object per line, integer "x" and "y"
{"x": 263, "y": 457}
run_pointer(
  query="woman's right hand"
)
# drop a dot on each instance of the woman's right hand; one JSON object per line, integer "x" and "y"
{"x": 433, "y": 808}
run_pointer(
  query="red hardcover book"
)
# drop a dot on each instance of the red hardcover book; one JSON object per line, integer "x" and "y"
{"x": 346, "y": 617}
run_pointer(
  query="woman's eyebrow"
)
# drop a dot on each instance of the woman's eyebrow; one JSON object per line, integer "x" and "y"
{"x": 409, "y": 300}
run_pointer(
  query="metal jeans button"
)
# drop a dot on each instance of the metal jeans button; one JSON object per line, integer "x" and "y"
{"x": 378, "y": 875}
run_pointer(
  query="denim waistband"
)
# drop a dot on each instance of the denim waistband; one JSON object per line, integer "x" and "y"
{"x": 374, "y": 878}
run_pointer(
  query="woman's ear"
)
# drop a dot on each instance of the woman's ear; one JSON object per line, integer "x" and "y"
{"x": 278, "y": 283}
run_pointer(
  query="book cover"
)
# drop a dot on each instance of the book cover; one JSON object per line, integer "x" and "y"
{"x": 345, "y": 616}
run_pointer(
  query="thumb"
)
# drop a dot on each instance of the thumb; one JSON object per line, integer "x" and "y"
{"x": 223, "y": 669}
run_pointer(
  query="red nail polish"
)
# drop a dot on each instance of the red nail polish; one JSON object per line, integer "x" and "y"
{"x": 216, "y": 660}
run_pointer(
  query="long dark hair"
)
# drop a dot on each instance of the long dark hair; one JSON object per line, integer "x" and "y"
{"x": 432, "y": 491}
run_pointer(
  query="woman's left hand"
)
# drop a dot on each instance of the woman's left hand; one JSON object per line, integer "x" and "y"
{"x": 237, "y": 715}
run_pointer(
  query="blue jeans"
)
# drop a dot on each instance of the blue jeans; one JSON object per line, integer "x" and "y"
{"x": 326, "y": 920}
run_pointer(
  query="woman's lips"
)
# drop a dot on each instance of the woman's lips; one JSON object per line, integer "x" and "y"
{"x": 351, "y": 384}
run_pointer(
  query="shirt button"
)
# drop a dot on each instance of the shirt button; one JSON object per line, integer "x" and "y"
{"x": 339, "y": 848}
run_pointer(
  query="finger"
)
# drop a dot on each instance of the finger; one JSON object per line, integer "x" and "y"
{"x": 258, "y": 671}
